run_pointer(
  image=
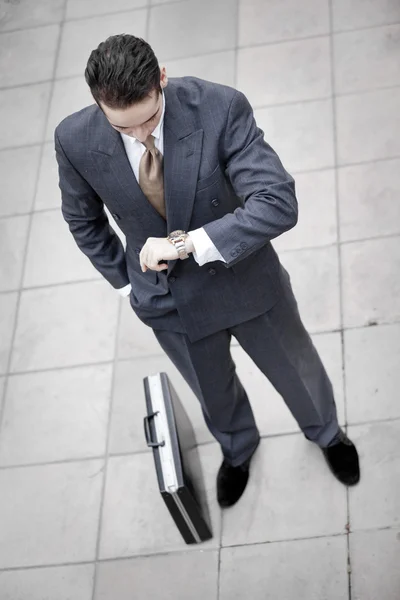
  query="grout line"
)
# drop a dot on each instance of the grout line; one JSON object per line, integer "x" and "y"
{"x": 26, "y": 84}
{"x": 341, "y": 244}
{"x": 236, "y": 49}
{"x": 127, "y": 454}
{"x": 236, "y": 77}
{"x": 107, "y": 451}
{"x": 293, "y": 171}
{"x": 167, "y": 3}
{"x": 62, "y": 368}
{"x": 366, "y": 28}
{"x": 264, "y": 106}
{"x": 134, "y": 358}
{"x": 21, "y": 147}
{"x": 25, "y": 250}
{"x": 149, "y": 356}
{"x": 31, "y": 27}
{"x": 339, "y": 254}
{"x": 181, "y": 551}
{"x": 174, "y": 2}
{"x": 50, "y": 463}
{"x": 147, "y": 25}
{"x": 108, "y": 14}
{"x": 349, "y": 572}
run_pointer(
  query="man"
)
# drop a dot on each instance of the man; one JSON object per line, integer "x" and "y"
{"x": 199, "y": 195}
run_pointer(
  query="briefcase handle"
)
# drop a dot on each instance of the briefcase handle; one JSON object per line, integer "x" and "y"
{"x": 147, "y": 432}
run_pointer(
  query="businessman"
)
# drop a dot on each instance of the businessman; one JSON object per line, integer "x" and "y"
{"x": 199, "y": 195}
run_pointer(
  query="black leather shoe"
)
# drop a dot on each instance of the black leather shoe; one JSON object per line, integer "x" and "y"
{"x": 231, "y": 483}
{"x": 342, "y": 459}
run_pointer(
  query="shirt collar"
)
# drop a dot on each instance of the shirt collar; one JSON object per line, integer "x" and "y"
{"x": 157, "y": 132}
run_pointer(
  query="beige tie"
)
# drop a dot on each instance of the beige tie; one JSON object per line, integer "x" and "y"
{"x": 151, "y": 178}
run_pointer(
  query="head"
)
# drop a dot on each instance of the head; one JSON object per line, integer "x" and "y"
{"x": 126, "y": 82}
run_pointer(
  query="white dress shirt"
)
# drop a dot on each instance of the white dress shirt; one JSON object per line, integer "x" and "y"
{"x": 205, "y": 250}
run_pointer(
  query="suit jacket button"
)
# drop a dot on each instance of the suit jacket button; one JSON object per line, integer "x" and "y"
{"x": 212, "y": 271}
{"x": 137, "y": 250}
{"x": 215, "y": 202}
{"x": 172, "y": 279}
{"x": 115, "y": 216}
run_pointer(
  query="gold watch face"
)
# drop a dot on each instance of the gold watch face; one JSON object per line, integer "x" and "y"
{"x": 177, "y": 233}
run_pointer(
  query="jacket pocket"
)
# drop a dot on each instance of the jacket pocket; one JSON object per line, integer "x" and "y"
{"x": 210, "y": 180}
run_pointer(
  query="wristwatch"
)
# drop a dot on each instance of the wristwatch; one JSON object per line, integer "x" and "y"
{"x": 178, "y": 239}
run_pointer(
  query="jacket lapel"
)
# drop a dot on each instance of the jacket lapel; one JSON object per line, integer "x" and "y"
{"x": 182, "y": 153}
{"x": 109, "y": 151}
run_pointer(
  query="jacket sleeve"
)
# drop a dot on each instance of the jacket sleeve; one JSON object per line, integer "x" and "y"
{"x": 84, "y": 212}
{"x": 260, "y": 180}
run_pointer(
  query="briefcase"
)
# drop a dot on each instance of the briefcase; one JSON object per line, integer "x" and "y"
{"x": 169, "y": 433}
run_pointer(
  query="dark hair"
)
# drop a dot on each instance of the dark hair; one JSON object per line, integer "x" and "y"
{"x": 123, "y": 70}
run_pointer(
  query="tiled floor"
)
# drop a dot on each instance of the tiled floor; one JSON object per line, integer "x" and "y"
{"x": 80, "y": 516}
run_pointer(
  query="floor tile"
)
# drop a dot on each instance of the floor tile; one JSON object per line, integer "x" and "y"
{"x": 368, "y": 196}
{"x": 76, "y": 9}
{"x": 30, "y": 101}
{"x": 364, "y": 13}
{"x": 315, "y": 280}
{"x": 48, "y": 193}
{"x": 56, "y": 415}
{"x": 57, "y": 583}
{"x": 79, "y": 38}
{"x": 49, "y": 514}
{"x": 375, "y": 558}
{"x": 270, "y": 411}
{"x": 275, "y": 74}
{"x": 17, "y": 191}
{"x": 372, "y": 358}
{"x": 367, "y": 59}
{"x": 172, "y": 33}
{"x": 316, "y": 226}
{"x": 129, "y": 406}
{"x": 135, "y": 518}
{"x": 24, "y": 13}
{"x": 64, "y": 263}
{"x": 65, "y": 326}
{"x": 261, "y": 22}
{"x": 371, "y": 285}
{"x": 69, "y": 96}
{"x": 218, "y": 67}
{"x": 28, "y": 56}
{"x": 8, "y": 307}
{"x": 302, "y": 134}
{"x": 375, "y": 501}
{"x": 13, "y": 237}
{"x": 312, "y": 569}
{"x": 368, "y": 126}
{"x": 135, "y": 339}
{"x": 189, "y": 576}
{"x": 291, "y": 494}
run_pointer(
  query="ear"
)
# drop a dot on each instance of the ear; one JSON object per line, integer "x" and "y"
{"x": 163, "y": 77}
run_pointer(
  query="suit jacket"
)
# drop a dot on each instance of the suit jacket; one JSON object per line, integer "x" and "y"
{"x": 219, "y": 174}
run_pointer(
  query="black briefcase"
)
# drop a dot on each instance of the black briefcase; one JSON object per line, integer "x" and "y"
{"x": 170, "y": 434}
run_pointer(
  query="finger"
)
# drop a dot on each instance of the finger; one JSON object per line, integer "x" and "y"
{"x": 143, "y": 265}
{"x": 161, "y": 267}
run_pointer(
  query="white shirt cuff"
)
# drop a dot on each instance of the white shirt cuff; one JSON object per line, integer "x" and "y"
{"x": 204, "y": 249}
{"x": 125, "y": 291}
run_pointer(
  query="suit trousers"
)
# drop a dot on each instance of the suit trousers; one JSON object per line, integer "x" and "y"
{"x": 282, "y": 349}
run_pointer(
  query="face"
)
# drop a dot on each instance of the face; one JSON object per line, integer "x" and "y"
{"x": 141, "y": 119}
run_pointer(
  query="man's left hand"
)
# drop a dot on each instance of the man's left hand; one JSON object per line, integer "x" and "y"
{"x": 154, "y": 251}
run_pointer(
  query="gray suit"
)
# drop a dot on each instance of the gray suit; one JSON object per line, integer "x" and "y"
{"x": 219, "y": 174}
